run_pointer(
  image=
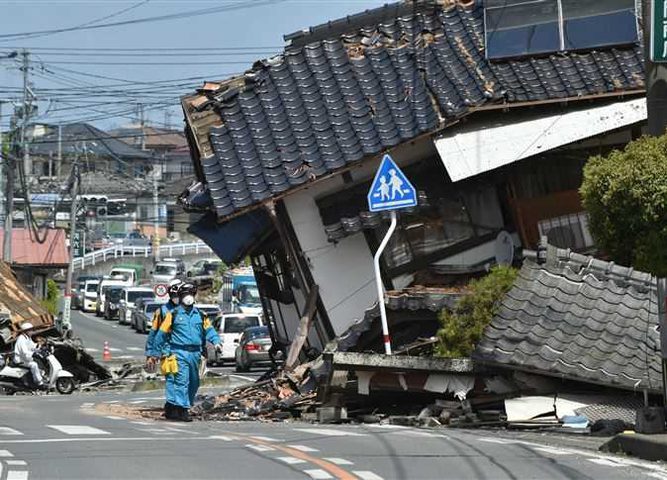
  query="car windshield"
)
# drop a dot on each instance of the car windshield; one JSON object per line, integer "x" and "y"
{"x": 253, "y": 333}
{"x": 249, "y": 294}
{"x": 239, "y": 324}
{"x": 121, "y": 275}
{"x": 114, "y": 293}
{"x": 134, "y": 296}
{"x": 92, "y": 287}
{"x": 165, "y": 270}
{"x": 151, "y": 307}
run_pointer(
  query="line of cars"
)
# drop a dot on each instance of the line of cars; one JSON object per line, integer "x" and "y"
{"x": 245, "y": 339}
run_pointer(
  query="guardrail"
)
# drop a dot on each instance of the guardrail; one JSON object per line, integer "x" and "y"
{"x": 120, "y": 251}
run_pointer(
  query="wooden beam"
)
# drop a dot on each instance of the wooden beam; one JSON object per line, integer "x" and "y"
{"x": 302, "y": 331}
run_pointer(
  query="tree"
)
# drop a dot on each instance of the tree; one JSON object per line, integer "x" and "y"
{"x": 52, "y": 294}
{"x": 463, "y": 327}
{"x": 625, "y": 194}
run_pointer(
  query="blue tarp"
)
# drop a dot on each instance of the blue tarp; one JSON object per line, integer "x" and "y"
{"x": 231, "y": 240}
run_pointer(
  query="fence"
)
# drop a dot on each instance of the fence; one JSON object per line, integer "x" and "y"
{"x": 120, "y": 251}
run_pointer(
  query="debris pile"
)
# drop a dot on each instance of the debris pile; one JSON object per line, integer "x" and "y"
{"x": 280, "y": 397}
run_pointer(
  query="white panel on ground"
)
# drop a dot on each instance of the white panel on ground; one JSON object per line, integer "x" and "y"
{"x": 483, "y": 146}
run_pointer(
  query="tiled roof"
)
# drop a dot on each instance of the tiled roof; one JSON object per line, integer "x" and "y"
{"x": 77, "y": 136}
{"x": 26, "y": 250}
{"x": 332, "y": 99}
{"x": 19, "y": 303}
{"x": 579, "y": 318}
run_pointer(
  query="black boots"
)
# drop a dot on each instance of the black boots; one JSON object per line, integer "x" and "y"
{"x": 176, "y": 413}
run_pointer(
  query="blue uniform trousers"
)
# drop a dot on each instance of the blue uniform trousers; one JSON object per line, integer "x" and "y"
{"x": 181, "y": 388}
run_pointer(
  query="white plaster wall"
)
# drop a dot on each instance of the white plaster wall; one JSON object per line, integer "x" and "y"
{"x": 343, "y": 271}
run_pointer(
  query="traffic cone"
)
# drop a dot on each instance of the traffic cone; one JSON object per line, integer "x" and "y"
{"x": 106, "y": 353}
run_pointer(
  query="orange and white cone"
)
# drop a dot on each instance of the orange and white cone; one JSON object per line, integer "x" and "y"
{"x": 106, "y": 353}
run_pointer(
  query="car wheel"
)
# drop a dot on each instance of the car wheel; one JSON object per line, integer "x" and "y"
{"x": 65, "y": 385}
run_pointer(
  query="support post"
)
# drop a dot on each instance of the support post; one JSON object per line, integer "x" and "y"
{"x": 74, "y": 193}
{"x": 380, "y": 287}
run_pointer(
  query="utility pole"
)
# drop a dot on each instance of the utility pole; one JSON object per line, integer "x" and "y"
{"x": 9, "y": 203}
{"x": 59, "y": 161}
{"x": 27, "y": 106}
{"x": 2, "y": 169}
{"x": 156, "y": 221}
{"x": 75, "y": 183}
{"x": 142, "y": 123}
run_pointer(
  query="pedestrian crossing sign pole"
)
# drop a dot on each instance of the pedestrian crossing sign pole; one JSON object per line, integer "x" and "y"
{"x": 390, "y": 191}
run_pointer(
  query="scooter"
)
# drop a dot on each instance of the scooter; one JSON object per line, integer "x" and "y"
{"x": 17, "y": 378}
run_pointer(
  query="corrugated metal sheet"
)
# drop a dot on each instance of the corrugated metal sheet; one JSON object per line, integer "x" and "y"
{"x": 482, "y": 147}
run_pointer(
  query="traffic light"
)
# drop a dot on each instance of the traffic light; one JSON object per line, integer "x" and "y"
{"x": 116, "y": 207}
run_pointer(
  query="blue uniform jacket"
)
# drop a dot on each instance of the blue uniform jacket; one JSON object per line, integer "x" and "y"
{"x": 181, "y": 329}
{"x": 158, "y": 317}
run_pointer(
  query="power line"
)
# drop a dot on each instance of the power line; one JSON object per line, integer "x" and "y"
{"x": 241, "y": 5}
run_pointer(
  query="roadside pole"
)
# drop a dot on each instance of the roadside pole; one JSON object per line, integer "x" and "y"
{"x": 390, "y": 191}
{"x": 654, "y": 19}
{"x": 74, "y": 193}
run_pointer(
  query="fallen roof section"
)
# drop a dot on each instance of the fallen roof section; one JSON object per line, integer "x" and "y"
{"x": 20, "y": 305}
{"x": 578, "y": 318}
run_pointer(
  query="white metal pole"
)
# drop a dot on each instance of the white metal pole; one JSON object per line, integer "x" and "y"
{"x": 380, "y": 287}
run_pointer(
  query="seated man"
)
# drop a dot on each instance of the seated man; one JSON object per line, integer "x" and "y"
{"x": 23, "y": 350}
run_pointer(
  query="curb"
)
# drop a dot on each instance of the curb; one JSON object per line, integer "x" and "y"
{"x": 646, "y": 447}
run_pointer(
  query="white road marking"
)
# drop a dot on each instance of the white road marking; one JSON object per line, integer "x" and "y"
{"x": 111, "y": 349}
{"x": 15, "y": 462}
{"x": 142, "y": 423}
{"x": 303, "y": 448}
{"x": 111, "y": 417}
{"x": 265, "y": 439}
{"x": 112, "y": 401}
{"x": 501, "y": 441}
{"x": 330, "y": 432}
{"x": 366, "y": 475}
{"x": 224, "y": 438}
{"x": 317, "y": 474}
{"x": 386, "y": 426}
{"x": 92, "y": 350}
{"x": 155, "y": 430}
{"x": 552, "y": 451}
{"x": 87, "y": 405}
{"x": 417, "y": 433}
{"x": 137, "y": 402}
{"x": 17, "y": 475}
{"x": 260, "y": 448}
{"x": 605, "y": 461}
{"x": 5, "y": 454}
{"x": 178, "y": 430}
{"x": 134, "y": 349}
{"x": 339, "y": 461}
{"x": 291, "y": 460}
{"x": 78, "y": 430}
{"x": 9, "y": 431}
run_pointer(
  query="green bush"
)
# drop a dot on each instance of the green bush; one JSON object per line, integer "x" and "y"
{"x": 625, "y": 194}
{"x": 462, "y": 328}
{"x": 52, "y": 295}
{"x": 217, "y": 278}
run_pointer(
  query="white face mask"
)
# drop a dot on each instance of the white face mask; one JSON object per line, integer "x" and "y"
{"x": 174, "y": 300}
{"x": 188, "y": 300}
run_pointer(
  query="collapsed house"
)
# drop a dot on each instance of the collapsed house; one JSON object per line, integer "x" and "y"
{"x": 494, "y": 140}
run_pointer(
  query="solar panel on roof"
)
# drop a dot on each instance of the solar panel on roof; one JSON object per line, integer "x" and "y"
{"x": 516, "y": 28}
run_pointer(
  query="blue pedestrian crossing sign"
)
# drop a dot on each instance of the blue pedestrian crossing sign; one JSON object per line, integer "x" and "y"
{"x": 391, "y": 189}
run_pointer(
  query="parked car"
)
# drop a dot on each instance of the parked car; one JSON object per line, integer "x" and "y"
{"x": 206, "y": 266}
{"x": 136, "y": 239}
{"x": 129, "y": 297}
{"x": 112, "y": 304}
{"x": 230, "y": 329}
{"x": 180, "y": 265}
{"x": 142, "y": 315}
{"x": 89, "y": 301}
{"x": 253, "y": 348}
{"x": 78, "y": 289}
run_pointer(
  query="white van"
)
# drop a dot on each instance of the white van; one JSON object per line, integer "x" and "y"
{"x": 90, "y": 295}
{"x": 111, "y": 281}
{"x": 127, "y": 302}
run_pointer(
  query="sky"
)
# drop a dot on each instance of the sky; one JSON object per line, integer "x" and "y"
{"x": 102, "y": 75}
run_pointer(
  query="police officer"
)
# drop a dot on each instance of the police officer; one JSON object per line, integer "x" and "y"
{"x": 180, "y": 340}
{"x": 160, "y": 314}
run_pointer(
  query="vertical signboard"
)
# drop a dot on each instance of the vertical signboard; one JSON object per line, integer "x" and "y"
{"x": 658, "y": 31}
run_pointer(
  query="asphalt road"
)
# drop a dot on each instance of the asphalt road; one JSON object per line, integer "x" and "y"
{"x": 124, "y": 342}
{"x": 60, "y": 437}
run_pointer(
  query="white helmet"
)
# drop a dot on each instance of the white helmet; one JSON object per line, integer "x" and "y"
{"x": 175, "y": 282}
{"x": 26, "y": 326}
